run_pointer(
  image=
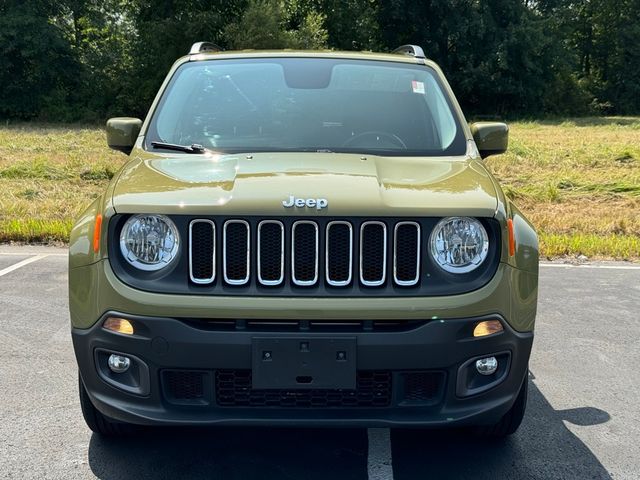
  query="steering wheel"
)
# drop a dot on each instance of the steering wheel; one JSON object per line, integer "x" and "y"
{"x": 377, "y": 137}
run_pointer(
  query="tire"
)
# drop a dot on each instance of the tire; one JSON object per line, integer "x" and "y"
{"x": 511, "y": 420}
{"x": 98, "y": 422}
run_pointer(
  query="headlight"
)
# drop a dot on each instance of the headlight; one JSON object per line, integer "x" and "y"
{"x": 149, "y": 242}
{"x": 459, "y": 244}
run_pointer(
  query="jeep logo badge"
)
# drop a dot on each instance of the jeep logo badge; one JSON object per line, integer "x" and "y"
{"x": 317, "y": 203}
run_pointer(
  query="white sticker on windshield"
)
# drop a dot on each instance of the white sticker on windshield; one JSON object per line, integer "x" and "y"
{"x": 418, "y": 87}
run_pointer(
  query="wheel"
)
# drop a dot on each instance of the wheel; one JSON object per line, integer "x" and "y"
{"x": 98, "y": 422}
{"x": 511, "y": 420}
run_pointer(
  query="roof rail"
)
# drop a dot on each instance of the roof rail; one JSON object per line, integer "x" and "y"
{"x": 202, "y": 47}
{"x": 413, "y": 50}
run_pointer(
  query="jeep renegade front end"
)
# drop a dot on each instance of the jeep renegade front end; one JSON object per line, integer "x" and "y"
{"x": 303, "y": 238}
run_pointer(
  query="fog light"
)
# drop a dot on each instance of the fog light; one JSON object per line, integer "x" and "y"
{"x": 487, "y": 327}
{"x": 120, "y": 363}
{"x": 118, "y": 325}
{"x": 485, "y": 366}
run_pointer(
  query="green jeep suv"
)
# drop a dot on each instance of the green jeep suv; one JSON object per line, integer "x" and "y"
{"x": 303, "y": 238}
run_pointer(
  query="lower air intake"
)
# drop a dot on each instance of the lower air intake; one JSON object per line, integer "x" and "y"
{"x": 233, "y": 389}
{"x": 184, "y": 386}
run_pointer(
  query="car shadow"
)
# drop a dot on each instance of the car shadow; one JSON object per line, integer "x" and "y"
{"x": 543, "y": 448}
{"x": 232, "y": 453}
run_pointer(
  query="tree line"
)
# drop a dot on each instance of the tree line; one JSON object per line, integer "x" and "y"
{"x": 86, "y": 60}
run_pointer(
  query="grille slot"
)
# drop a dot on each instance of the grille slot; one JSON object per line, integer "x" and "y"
{"x": 373, "y": 253}
{"x": 233, "y": 389}
{"x": 237, "y": 244}
{"x": 339, "y": 253}
{"x": 406, "y": 253}
{"x": 339, "y": 326}
{"x": 202, "y": 251}
{"x": 270, "y": 252}
{"x": 304, "y": 253}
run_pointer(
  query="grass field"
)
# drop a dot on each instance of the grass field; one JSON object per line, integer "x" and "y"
{"x": 577, "y": 180}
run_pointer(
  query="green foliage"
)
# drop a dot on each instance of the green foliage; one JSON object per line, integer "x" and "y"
{"x": 263, "y": 25}
{"x": 72, "y": 60}
{"x": 37, "y": 68}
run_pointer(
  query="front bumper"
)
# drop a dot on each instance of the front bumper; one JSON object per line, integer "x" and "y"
{"x": 439, "y": 346}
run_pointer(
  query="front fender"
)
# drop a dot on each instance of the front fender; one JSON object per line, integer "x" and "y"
{"x": 81, "y": 250}
{"x": 527, "y": 251}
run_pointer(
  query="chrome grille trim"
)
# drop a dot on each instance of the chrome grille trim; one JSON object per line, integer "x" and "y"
{"x": 376, "y": 283}
{"x": 202, "y": 281}
{"x": 336, "y": 283}
{"x": 259, "y": 261}
{"x": 303, "y": 283}
{"x": 248, "y": 249}
{"x": 405, "y": 283}
{"x": 321, "y": 242}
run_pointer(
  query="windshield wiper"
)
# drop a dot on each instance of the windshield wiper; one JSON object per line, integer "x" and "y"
{"x": 193, "y": 148}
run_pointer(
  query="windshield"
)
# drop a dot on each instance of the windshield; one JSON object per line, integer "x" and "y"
{"x": 307, "y": 104}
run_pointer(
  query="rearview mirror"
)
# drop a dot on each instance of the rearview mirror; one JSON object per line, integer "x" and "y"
{"x": 491, "y": 138}
{"x": 122, "y": 133}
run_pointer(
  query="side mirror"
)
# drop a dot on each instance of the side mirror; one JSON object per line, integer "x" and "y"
{"x": 491, "y": 138}
{"x": 122, "y": 133}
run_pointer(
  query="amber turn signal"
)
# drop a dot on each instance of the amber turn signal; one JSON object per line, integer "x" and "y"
{"x": 97, "y": 230}
{"x": 118, "y": 325}
{"x": 512, "y": 238}
{"x": 487, "y": 327}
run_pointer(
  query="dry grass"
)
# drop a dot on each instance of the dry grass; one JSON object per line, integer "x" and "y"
{"x": 577, "y": 180}
{"x": 48, "y": 175}
{"x": 579, "y": 183}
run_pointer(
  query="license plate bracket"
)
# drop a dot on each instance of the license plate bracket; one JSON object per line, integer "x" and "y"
{"x": 303, "y": 363}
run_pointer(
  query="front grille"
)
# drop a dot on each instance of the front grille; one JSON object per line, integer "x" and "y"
{"x": 306, "y": 253}
{"x": 233, "y": 389}
{"x": 252, "y": 256}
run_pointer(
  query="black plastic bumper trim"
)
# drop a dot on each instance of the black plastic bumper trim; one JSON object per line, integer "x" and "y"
{"x": 442, "y": 345}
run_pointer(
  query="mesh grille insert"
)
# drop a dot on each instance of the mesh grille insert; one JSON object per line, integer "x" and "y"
{"x": 184, "y": 384}
{"x": 422, "y": 387}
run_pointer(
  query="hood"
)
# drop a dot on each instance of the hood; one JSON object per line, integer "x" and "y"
{"x": 258, "y": 184}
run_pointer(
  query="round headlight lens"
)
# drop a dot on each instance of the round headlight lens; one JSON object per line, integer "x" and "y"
{"x": 149, "y": 242}
{"x": 459, "y": 244}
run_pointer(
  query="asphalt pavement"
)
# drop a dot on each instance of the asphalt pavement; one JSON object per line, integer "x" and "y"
{"x": 582, "y": 419}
